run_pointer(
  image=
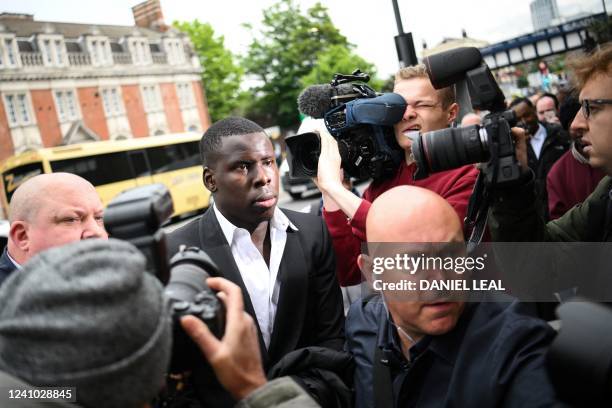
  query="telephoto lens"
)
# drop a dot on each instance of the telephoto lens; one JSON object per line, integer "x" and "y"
{"x": 449, "y": 148}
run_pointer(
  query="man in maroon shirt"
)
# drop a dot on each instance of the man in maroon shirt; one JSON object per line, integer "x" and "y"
{"x": 345, "y": 213}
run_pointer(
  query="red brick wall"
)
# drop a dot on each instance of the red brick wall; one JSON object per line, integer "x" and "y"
{"x": 172, "y": 108}
{"x": 134, "y": 109}
{"x": 46, "y": 116}
{"x": 90, "y": 100}
{"x": 200, "y": 98}
{"x": 6, "y": 141}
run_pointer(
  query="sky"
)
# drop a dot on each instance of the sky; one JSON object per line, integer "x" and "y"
{"x": 369, "y": 24}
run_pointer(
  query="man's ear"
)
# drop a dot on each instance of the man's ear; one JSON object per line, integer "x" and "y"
{"x": 18, "y": 234}
{"x": 208, "y": 177}
{"x": 453, "y": 111}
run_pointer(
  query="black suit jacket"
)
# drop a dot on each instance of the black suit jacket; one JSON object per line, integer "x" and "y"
{"x": 309, "y": 311}
{"x": 6, "y": 266}
{"x": 556, "y": 143}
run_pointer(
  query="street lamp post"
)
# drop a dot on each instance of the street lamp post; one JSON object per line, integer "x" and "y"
{"x": 403, "y": 41}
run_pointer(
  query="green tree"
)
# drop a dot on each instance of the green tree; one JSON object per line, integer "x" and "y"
{"x": 286, "y": 50}
{"x": 339, "y": 59}
{"x": 221, "y": 75}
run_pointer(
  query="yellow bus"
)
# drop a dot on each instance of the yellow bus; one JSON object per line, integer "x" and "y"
{"x": 113, "y": 166}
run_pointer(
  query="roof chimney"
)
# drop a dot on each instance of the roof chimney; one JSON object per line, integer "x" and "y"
{"x": 148, "y": 14}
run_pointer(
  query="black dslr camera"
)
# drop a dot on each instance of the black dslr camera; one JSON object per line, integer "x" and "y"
{"x": 136, "y": 216}
{"x": 490, "y": 142}
{"x": 359, "y": 119}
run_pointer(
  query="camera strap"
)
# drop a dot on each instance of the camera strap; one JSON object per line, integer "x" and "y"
{"x": 477, "y": 213}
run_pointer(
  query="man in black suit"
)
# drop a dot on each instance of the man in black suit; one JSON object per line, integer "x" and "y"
{"x": 50, "y": 210}
{"x": 547, "y": 143}
{"x": 282, "y": 260}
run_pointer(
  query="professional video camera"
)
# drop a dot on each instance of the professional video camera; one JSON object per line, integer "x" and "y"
{"x": 136, "y": 216}
{"x": 359, "y": 119}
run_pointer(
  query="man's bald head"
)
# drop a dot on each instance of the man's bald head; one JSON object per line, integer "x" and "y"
{"x": 412, "y": 214}
{"x": 29, "y": 196}
{"x": 51, "y": 210}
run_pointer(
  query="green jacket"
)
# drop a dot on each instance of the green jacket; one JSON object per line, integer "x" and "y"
{"x": 282, "y": 392}
{"x": 513, "y": 217}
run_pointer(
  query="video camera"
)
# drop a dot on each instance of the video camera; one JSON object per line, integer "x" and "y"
{"x": 359, "y": 119}
{"x": 136, "y": 216}
{"x": 490, "y": 142}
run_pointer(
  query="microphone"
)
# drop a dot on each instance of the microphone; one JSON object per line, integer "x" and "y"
{"x": 449, "y": 67}
{"x": 316, "y": 100}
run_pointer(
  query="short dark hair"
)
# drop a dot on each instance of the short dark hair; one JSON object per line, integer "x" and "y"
{"x": 568, "y": 110}
{"x": 233, "y": 126}
{"x": 516, "y": 101}
{"x": 551, "y": 96}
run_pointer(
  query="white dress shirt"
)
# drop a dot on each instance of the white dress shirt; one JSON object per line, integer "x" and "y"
{"x": 537, "y": 140}
{"x": 260, "y": 281}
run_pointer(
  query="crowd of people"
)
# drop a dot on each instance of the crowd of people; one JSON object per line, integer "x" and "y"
{"x": 78, "y": 310}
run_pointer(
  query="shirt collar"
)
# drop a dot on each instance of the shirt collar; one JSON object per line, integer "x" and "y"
{"x": 17, "y": 265}
{"x": 279, "y": 221}
{"x": 541, "y": 133}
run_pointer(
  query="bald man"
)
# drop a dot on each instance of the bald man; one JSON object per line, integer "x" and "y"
{"x": 419, "y": 349}
{"x": 50, "y": 210}
{"x": 471, "y": 119}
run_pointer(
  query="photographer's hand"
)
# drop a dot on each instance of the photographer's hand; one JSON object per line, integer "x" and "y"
{"x": 520, "y": 140}
{"x": 236, "y": 358}
{"x": 330, "y": 176}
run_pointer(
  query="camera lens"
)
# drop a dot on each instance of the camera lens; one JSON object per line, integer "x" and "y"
{"x": 449, "y": 148}
{"x": 186, "y": 281}
{"x": 303, "y": 154}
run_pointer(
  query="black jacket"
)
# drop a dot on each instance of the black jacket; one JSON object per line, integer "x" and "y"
{"x": 556, "y": 143}
{"x": 6, "y": 266}
{"x": 310, "y": 310}
{"x": 494, "y": 357}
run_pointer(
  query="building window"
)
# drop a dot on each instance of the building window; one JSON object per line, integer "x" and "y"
{"x": 175, "y": 52}
{"x": 47, "y": 51}
{"x": 52, "y": 51}
{"x": 140, "y": 52}
{"x": 8, "y": 52}
{"x": 111, "y": 99}
{"x": 59, "y": 57}
{"x": 8, "y": 44}
{"x": 66, "y": 106}
{"x": 151, "y": 98}
{"x": 185, "y": 95}
{"x": 99, "y": 52}
{"x": 18, "y": 109}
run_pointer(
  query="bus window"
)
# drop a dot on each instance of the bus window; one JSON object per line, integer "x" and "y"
{"x": 98, "y": 170}
{"x": 173, "y": 157}
{"x": 15, "y": 177}
{"x": 139, "y": 163}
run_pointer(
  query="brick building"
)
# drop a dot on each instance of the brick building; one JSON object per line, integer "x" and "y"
{"x": 63, "y": 83}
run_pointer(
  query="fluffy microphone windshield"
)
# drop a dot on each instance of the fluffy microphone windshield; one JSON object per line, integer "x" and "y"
{"x": 316, "y": 100}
